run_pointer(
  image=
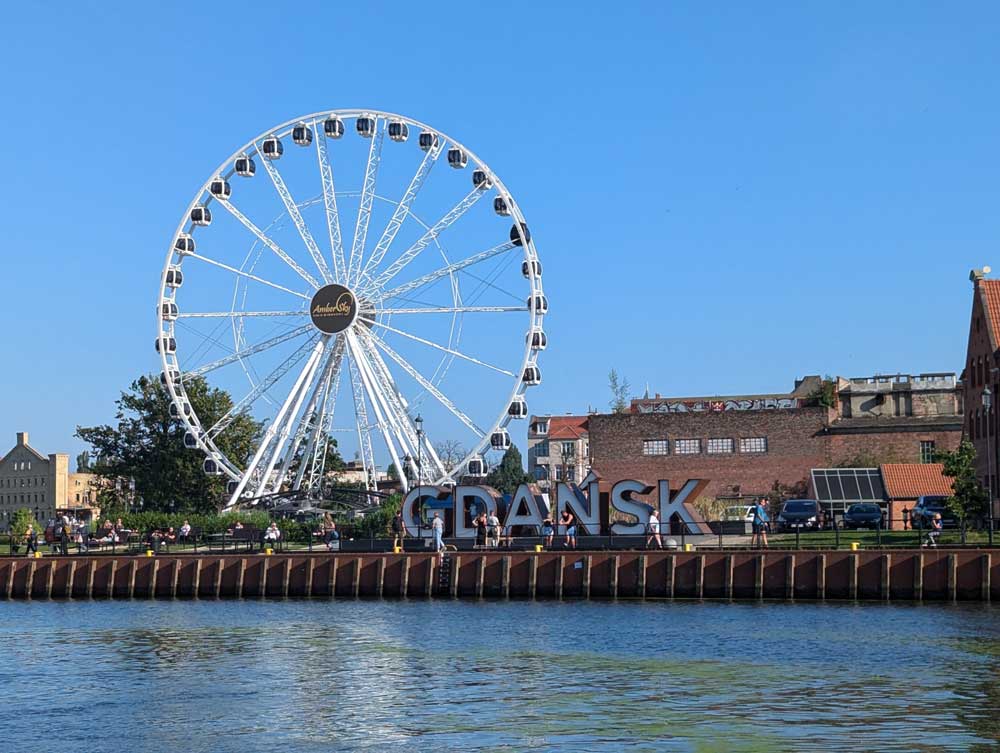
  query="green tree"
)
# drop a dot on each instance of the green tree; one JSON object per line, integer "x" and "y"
{"x": 20, "y": 521}
{"x": 147, "y": 445}
{"x": 619, "y": 387}
{"x": 83, "y": 462}
{"x": 969, "y": 499}
{"x": 510, "y": 474}
{"x": 826, "y": 393}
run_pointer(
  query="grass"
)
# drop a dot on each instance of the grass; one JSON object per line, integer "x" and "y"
{"x": 871, "y": 539}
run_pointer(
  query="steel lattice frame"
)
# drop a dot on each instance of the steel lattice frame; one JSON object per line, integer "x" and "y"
{"x": 371, "y": 270}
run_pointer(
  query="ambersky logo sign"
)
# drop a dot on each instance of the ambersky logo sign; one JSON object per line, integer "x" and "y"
{"x": 333, "y": 309}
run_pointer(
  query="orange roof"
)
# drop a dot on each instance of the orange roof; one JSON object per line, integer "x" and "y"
{"x": 567, "y": 427}
{"x": 912, "y": 480}
{"x": 991, "y": 301}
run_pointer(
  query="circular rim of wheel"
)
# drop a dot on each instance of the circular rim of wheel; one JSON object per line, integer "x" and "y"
{"x": 204, "y": 197}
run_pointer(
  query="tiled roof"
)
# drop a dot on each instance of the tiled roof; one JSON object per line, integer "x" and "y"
{"x": 912, "y": 480}
{"x": 567, "y": 427}
{"x": 991, "y": 300}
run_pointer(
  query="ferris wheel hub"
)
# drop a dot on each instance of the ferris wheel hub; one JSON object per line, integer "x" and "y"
{"x": 333, "y": 309}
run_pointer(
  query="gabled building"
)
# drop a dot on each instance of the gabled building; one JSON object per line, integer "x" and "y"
{"x": 558, "y": 449}
{"x": 982, "y": 370}
{"x": 40, "y": 483}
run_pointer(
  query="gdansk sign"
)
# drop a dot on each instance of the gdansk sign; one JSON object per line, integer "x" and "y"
{"x": 528, "y": 507}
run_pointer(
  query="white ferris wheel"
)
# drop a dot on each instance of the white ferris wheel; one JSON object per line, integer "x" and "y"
{"x": 352, "y": 294}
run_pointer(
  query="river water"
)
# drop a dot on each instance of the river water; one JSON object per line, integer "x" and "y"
{"x": 221, "y": 677}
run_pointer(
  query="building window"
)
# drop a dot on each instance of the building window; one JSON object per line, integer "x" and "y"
{"x": 655, "y": 447}
{"x": 753, "y": 444}
{"x": 541, "y": 427}
{"x": 720, "y": 446}
{"x": 542, "y": 449}
{"x": 687, "y": 446}
{"x": 927, "y": 451}
{"x": 568, "y": 449}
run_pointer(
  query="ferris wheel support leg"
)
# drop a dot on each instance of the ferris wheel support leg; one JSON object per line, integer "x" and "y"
{"x": 330, "y": 383}
{"x": 380, "y": 392}
{"x": 355, "y": 348}
{"x": 272, "y": 430}
{"x": 286, "y": 425}
{"x": 306, "y": 421}
{"x": 417, "y": 439}
{"x": 364, "y": 429}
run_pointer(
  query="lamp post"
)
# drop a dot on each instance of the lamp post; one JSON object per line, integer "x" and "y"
{"x": 987, "y": 404}
{"x": 419, "y": 421}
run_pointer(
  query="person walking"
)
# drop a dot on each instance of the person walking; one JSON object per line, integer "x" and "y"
{"x": 30, "y": 541}
{"x": 568, "y": 520}
{"x": 935, "y": 532}
{"x": 761, "y": 520}
{"x": 398, "y": 529}
{"x": 437, "y": 528}
{"x": 65, "y": 532}
{"x": 654, "y": 531}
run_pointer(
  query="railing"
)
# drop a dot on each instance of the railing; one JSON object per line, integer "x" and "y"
{"x": 725, "y": 535}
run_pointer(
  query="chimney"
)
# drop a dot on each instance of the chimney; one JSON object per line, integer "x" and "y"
{"x": 22, "y": 438}
{"x": 979, "y": 274}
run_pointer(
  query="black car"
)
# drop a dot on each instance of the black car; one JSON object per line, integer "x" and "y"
{"x": 862, "y": 515}
{"x": 923, "y": 512}
{"x": 803, "y": 514}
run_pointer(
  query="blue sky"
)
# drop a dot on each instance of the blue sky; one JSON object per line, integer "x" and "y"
{"x": 723, "y": 199}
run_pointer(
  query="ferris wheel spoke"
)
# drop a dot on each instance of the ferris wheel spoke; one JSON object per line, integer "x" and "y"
{"x": 441, "y": 398}
{"x": 267, "y": 241}
{"x": 259, "y": 389}
{"x": 454, "y": 310}
{"x": 249, "y": 276}
{"x": 403, "y": 208}
{"x": 237, "y": 314}
{"x": 367, "y": 196}
{"x": 306, "y": 423}
{"x": 296, "y": 216}
{"x": 449, "y": 269}
{"x": 315, "y": 450}
{"x": 427, "y": 238}
{"x": 383, "y": 424}
{"x": 243, "y": 353}
{"x": 442, "y": 348}
{"x": 272, "y": 432}
{"x": 330, "y": 201}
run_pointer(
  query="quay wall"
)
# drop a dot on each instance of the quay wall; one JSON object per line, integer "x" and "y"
{"x": 883, "y": 575}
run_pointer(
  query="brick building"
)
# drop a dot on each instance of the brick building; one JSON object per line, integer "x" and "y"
{"x": 982, "y": 367}
{"x": 744, "y": 445}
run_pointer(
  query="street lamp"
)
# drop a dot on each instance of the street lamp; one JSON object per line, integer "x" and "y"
{"x": 987, "y": 404}
{"x": 419, "y": 421}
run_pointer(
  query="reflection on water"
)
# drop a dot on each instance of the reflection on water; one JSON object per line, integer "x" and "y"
{"x": 216, "y": 677}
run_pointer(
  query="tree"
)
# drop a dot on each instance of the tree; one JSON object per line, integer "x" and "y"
{"x": 451, "y": 452}
{"x": 331, "y": 465}
{"x": 21, "y": 519}
{"x": 825, "y": 394}
{"x": 392, "y": 473}
{"x": 619, "y": 387}
{"x": 147, "y": 445}
{"x": 510, "y": 474}
{"x": 969, "y": 499}
{"x": 83, "y": 462}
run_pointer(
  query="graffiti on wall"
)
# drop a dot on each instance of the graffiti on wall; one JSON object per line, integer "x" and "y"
{"x": 716, "y": 406}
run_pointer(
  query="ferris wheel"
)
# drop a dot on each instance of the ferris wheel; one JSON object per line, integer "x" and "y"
{"x": 352, "y": 295}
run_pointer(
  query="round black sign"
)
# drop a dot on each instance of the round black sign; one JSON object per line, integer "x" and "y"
{"x": 333, "y": 309}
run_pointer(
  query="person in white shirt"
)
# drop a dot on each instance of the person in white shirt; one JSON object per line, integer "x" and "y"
{"x": 654, "y": 531}
{"x": 437, "y": 528}
{"x": 492, "y": 530}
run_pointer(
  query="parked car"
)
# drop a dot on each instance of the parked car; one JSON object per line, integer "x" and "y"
{"x": 923, "y": 512}
{"x": 862, "y": 515}
{"x": 805, "y": 514}
{"x": 739, "y": 512}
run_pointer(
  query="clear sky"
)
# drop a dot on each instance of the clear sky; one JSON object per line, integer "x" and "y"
{"x": 723, "y": 199}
